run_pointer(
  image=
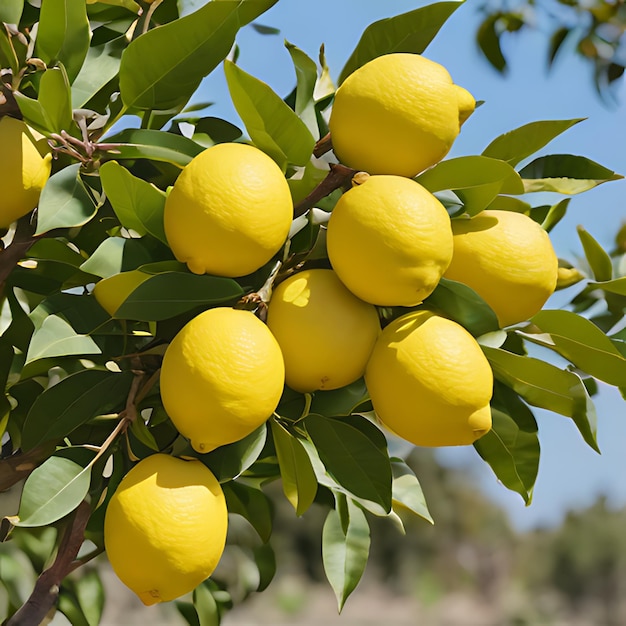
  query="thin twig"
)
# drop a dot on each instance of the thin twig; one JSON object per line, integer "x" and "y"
{"x": 338, "y": 176}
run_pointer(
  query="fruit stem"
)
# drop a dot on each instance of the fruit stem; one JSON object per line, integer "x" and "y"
{"x": 338, "y": 176}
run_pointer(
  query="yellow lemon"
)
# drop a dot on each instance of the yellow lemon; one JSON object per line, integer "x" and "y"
{"x": 25, "y": 162}
{"x": 430, "y": 382}
{"x": 165, "y": 527}
{"x": 229, "y": 211}
{"x": 222, "y": 377}
{"x": 326, "y": 334}
{"x": 111, "y": 292}
{"x": 389, "y": 240}
{"x": 397, "y": 114}
{"x": 508, "y": 259}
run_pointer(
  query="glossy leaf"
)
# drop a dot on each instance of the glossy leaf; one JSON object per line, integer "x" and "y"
{"x": 63, "y": 34}
{"x": 544, "y": 385}
{"x": 52, "y": 490}
{"x": 167, "y": 294}
{"x": 306, "y": 79}
{"x": 353, "y": 451}
{"x": 345, "y": 552}
{"x": 617, "y": 286}
{"x": 252, "y": 504}
{"x": 565, "y": 173}
{"x": 56, "y": 338}
{"x": 519, "y": 144}
{"x": 155, "y": 145}
{"x": 463, "y": 305}
{"x": 298, "y": 478}
{"x": 271, "y": 124}
{"x": 230, "y": 461}
{"x": 73, "y": 401}
{"x": 582, "y": 343}
{"x": 341, "y": 401}
{"x": 138, "y": 204}
{"x": 64, "y": 201}
{"x": 163, "y": 68}
{"x": 211, "y": 130}
{"x": 476, "y": 180}
{"x": 555, "y": 214}
{"x": 115, "y": 255}
{"x": 407, "y": 32}
{"x": 11, "y": 11}
{"x": 511, "y": 447}
{"x": 598, "y": 259}
{"x": 407, "y": 492}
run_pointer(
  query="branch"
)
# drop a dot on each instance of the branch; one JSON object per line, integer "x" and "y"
{"x": 46, "y": 591}
{"x": 19, "y": 466}
{"x": 338, "y": 176}
{"x": 23, "y": 239}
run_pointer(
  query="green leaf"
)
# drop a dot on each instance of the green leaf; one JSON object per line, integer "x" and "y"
{"x": 407, "y": 492}
{"x": 306, "y": 79}
{"x": 546, "y": 386}
{"x": 230, "y": 461}
{"x": 555, "y": 214}
{"x": 11, "y": 11}
{"x": 518, "y": 144}
{"x": 564, "y": 173}
{"x": 64, "y": 201}
{"x": 489, "y": 42}
{"x": 102, "y": 65}
{"x": 265, "y": 560}
{"x": 8, "y": 56}
{"x": 163, "y": 68}
{"x": 52, "y": 491}
{"x": 89, "y": 592}
{"x": 345, "y": 552}
{"x": 69, "y": 606}
{"x": 353, "y": 451}
{"x": 206, "y": 606}
{"x": 211, "y": 130}
{"x": 598, "y": 259}
{"x": 138, "y": 205}
{"x": 115, "y": 255}
{"x": 72, "y": 402}
{"x": 476, "y": 180}
{"x": 168, "y": 294}
{"x": 582, "y": 343}
{"x": 617, "y": 286}
{"x": 63, "y": 34}
{"x": 252, "y": 504}
{"x": 341, "y": 401}
{"x": 407, "y": 32}
{"x": 463, "y": 305}
{"x": 296, "y": 471}
{"x": 511, "y": 447}
{"x": 271, "y": 124}
{"x": 155, "y": 145}
{"x": 56, "y": 338}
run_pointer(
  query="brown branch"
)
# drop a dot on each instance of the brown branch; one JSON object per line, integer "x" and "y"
{"x": 338, "y": 176}
{"x": 323, "y": 146}
{"x": 23, "y": 239}
{"x": 19, "y": 466}
{"x": 46, "y": 591}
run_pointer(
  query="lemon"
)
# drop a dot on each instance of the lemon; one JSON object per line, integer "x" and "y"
{"x": 508, "y": 259}
{"x": 222, "y": 377}
{"x": 229, "y": 211}
{"x": 326, "y": 334}
{"x": 430, "y": 382}
{"x": 165, "y": 527}
{"x": 25, "y": 162}
{"x": 389, "y": 240}
{"x": 112, "y": 292}
{"x": 397, "y": 114}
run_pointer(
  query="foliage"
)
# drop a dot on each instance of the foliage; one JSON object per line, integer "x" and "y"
{"x": 595, "y": 29}
{"x": 81, "y": 401}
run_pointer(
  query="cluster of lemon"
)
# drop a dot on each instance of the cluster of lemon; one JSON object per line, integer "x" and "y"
{"x": 389, "y": 243}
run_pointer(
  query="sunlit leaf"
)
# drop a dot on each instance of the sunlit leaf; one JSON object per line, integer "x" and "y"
{"x": 306, "y": 78}
{"x": 407, "y": 32}
{"x": 345, "y": 552}
{"x": 296, "y": 471}
{"x": 617, "y": 286}
{"x": 407, "y": 492}
{"x": 52, "y": 490}
{"x": 555, "y": 214}
{"x": 11, "y": 11}
{"x": 271, "y": 124}
{"x": 516, "y": 145}
{"x": 598, "y": 259}
{"x": 206, "y": 607}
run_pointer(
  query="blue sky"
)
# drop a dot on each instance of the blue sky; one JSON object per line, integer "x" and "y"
{"x": 571, "y": 475}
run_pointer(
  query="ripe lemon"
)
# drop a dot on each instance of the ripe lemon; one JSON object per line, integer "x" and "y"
{"x": 222, "y": 377}
{"x": 165, "y": 527}
{"x": 389, "y": 240}
{"x": 397, "y": 114}
{"x": 508, "y": 259}
{"x": 430, "y": 382}
{"x": 326, "y": 334}
{"x": 229, "y": 211}
{"x": 25, "y": 162}
{"x": 111, "y": 292}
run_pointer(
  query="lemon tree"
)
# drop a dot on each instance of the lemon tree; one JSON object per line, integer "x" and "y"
{"x": 192, "y": 308}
